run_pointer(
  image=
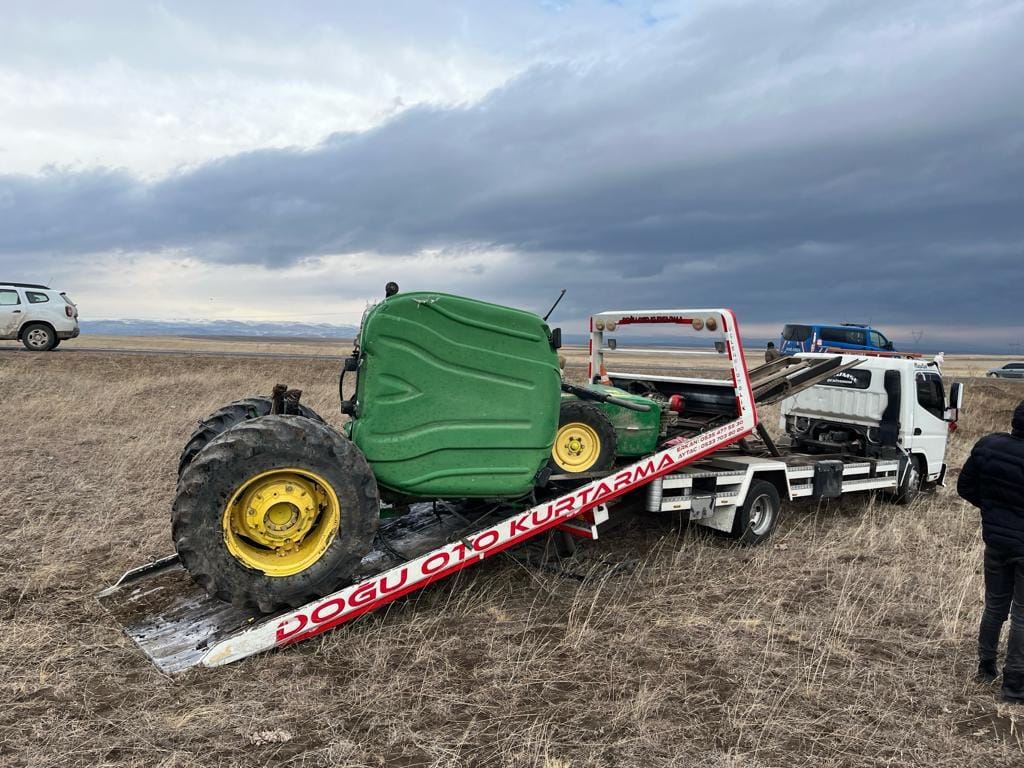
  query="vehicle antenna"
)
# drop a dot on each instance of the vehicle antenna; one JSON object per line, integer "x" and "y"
{"x": 554, "y": 305}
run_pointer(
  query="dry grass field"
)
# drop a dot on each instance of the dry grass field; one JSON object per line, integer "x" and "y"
{"x": 848, "y": 640}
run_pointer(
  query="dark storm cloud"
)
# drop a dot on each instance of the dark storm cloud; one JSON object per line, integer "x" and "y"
{"x": 829, "y": 158}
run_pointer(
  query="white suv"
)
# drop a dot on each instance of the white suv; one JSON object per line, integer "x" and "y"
{"x": 36, "y": 316}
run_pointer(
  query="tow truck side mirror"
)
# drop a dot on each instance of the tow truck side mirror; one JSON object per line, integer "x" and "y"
{"x": 956, "y": 402}
{"x": 956, "y": 395}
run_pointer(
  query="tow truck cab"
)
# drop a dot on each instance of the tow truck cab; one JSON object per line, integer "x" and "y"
{"x": 883, "y": 407}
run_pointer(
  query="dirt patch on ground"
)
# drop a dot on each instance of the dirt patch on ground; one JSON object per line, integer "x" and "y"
{"x": 852, "y": 644}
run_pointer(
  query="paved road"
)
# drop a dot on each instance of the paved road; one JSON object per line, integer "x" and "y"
{"x": 171, "y": 352}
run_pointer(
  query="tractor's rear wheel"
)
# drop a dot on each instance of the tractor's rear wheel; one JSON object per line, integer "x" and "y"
{"x": 227, "y": 416}
{"x": 275, "y": 512}
{"x": 585, "y": 441}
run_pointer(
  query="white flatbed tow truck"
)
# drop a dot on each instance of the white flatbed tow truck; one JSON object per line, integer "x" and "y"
{"x": 854, "y": 424}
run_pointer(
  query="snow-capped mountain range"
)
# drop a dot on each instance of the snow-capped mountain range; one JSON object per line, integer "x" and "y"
{"x": 216, "y": 328}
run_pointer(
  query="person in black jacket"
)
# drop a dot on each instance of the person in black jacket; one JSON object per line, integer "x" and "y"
{"x": 993, "y": 480}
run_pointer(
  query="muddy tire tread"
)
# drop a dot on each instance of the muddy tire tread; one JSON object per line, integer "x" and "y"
{"x": 254, "y": 446}
{"x": 226, "y": 417}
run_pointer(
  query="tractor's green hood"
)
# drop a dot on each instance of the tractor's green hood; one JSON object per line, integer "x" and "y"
{"x": 455, "y": 397}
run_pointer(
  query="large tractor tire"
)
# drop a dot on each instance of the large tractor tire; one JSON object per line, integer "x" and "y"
{"x": 226, "y": 417}
{"x": 275, "y": 512}
{"x": 585, "y": 441}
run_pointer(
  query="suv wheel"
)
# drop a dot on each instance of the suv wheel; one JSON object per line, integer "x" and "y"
{"x": 38, "y": 338}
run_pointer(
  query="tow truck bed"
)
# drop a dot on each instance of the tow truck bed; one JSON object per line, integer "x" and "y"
{"x": 713, "y": 489}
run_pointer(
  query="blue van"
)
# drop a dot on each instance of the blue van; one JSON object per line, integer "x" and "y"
{"x": 814, "y": 338}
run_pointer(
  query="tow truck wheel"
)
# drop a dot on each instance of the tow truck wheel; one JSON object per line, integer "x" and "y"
{"x": 912, "y": 482}
{"x": 756, "y": 518}
{"x": 585, "y": 441}
{"x": 275, "y": 512}
{"x": 227, "y": 416}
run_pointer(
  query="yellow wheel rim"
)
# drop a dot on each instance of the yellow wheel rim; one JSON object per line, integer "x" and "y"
{"x": 281, "y": 522}
{"x": 577, "y": 447}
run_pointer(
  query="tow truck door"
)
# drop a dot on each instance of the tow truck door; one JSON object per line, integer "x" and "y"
{"x": 929, "y": 431}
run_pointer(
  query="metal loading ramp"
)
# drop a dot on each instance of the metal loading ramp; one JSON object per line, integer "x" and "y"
{"x": 175, "y": 622}
{"x": 787, "y": 376}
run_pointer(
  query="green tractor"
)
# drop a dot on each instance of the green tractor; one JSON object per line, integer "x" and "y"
{"x": 455, "y": 399}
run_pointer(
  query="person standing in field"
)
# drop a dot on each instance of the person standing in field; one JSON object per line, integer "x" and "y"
{"x": 993, "y": 480}
{"x": 771, "y": 353}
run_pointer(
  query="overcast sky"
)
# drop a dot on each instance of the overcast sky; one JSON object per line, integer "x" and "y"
{"x": 802, "y": 160}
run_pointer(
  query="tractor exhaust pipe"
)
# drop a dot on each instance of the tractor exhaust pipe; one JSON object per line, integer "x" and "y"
{"x": 285, "y": 401}
{"x": 277, "y": 399}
